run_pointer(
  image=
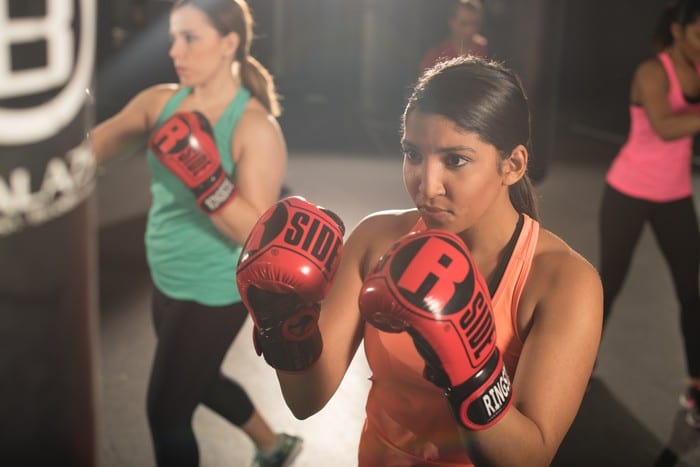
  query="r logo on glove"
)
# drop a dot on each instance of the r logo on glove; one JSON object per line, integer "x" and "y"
{"x": 185, "y": 144}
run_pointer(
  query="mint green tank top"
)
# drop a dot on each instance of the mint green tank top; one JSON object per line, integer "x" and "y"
{"x": 188, "y": 257}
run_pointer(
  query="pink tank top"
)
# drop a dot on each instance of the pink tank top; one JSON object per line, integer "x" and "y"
{"x": 409, "y": 421}
{"x": 647, "y": 167}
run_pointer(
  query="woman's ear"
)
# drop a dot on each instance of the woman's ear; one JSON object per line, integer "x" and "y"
{"x": 231, "y": 42}
{"x": 515, "y": 166}
{"x": 676, "y": 31}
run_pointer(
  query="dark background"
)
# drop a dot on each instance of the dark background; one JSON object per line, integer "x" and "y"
{"x": 345, "y": 67}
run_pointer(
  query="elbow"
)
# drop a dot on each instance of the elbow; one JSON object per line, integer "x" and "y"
{"x": 662, "y": 133}
{"x": 301, "y": 411}
{"x": 666, "y": 133}
{"x": 301, "y": 408}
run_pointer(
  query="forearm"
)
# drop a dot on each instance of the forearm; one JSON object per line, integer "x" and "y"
{"x": 677, "y": 126}
{"x": 236, "y": 219}
{"x": 306, "y": 393}
{"x": 514, "y": 441}
{"x": 121, "y": 135}
{"x": 123, "y": 149}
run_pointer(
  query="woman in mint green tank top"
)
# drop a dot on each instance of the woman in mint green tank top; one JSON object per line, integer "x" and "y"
{"x": 192, "y": 253}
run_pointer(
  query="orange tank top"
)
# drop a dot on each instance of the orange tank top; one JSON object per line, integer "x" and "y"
{"x": 408, "y": 420}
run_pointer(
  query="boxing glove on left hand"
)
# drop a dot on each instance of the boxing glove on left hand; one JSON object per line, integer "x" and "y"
{"x": 286, "y": 268}
{"x": 185, "y": 145}
{"x": 428, "y": 285}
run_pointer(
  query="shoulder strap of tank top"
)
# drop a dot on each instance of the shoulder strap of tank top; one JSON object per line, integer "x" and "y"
{"x": 667, "y": 63}
{"x": 507, "y": 253}
{"x": 235, "y": 108}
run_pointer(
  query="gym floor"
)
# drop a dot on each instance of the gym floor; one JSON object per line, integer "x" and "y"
{"x": 630, "y": 415}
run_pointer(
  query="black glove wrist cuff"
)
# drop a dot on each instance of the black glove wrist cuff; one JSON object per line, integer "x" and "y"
{"x": 484, "y": 399}
{"x": 216, "y": 192}
{"x": 285, "y": 355}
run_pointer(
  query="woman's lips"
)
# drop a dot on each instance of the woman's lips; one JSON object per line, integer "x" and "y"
{"x": 433, "y": 213}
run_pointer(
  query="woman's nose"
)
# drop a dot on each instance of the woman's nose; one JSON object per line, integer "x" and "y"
{"x": 174, "y": 48}
{"x": 431, "y": 180}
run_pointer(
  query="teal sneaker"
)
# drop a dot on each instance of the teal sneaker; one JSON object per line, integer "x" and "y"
{"x": 289, "y": 449}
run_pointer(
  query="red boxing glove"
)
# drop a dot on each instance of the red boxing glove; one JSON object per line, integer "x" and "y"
{"x": 185, "y": 145}
{"x": 286, "y": 268}
{"x": 428, "y": 285}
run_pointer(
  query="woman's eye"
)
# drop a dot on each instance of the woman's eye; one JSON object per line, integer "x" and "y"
{"x": 455, "y": 160}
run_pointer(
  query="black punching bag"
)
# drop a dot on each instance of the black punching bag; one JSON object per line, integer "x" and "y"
{"x": 48, "y": 267}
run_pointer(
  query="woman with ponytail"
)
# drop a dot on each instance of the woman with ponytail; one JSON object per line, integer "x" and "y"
{"x": 406, "y": 288}
{"x": 192, "y": 254}
{"x": 649, "y": 180}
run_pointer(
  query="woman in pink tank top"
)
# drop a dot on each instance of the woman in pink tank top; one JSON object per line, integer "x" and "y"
{"x": 649, "y": 180}
{"x": 520, "y": 292}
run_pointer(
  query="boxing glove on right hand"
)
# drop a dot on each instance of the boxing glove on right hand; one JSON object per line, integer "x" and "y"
{"x": 428, "y": 285}
{"x": 286, "y": 268}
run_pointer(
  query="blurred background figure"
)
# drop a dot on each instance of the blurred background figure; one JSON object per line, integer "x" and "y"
{"x": 649, "y": 181}
{"x": 465, "y": 22}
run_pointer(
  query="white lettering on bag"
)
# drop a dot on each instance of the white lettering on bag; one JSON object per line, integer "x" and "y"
{"x": 66, "y": 182}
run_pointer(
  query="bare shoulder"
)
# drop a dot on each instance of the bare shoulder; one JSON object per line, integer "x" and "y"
{"x": 557, "y": 262}
{"x": 258, "y": 129}
{"x": 256, "y": 118}
{"x": 562, "y": 285}
{"x": 389, "y": 223}
{"x": 164, "y": 88}
{"x": 157, "y": 95}
{"x": 650, "y": 70}
{"x": 151, "y": 100}
{"x": 258, "y": 140}
{"x": 375, "y": 233}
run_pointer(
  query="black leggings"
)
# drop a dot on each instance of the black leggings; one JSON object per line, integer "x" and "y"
{"x": 192, "y": 342}
{"x": 675, "y": 227}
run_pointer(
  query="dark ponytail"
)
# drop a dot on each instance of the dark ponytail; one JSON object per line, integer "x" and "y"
{"x": 259, "y": 82}
{"x": 522, "y": 195}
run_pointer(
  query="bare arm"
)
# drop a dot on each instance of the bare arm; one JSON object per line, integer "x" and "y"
{"x": 555, "y": 365}
{"x": 650, "y": 88}
{"x": 340, "y": 321}
{"x": 341, "y": 327}
{"x": 127, "y": 130}
{"x": 260, "y": 169}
